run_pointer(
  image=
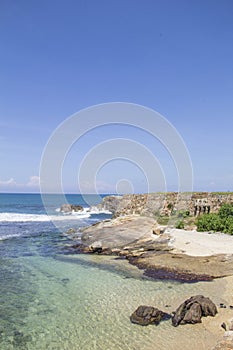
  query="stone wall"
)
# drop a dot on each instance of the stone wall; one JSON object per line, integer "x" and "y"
{"x": 154, "y": 204}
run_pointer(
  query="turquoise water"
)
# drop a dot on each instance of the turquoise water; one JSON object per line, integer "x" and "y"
{"x": 53, "y": 300}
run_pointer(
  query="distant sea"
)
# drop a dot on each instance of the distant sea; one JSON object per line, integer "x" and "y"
{"x": 52, "y": 299}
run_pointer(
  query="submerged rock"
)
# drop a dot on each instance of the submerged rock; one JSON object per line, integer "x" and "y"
{"x": 192, "y": 310}
{"x": 145, "y": 315}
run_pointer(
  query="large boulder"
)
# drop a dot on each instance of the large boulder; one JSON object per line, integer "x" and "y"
{"x": 68, "y": 208}
{"x": 121, "y": 232}
{"x": 145, "y": 315}
{"x": 192, "y": 310}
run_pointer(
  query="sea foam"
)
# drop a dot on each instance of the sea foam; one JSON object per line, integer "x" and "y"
{"x": 16, "y": 217}
{"x": 19, "y": 217}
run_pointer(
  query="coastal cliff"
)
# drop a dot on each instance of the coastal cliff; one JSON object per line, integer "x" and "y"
{"x": 166, "y": 204}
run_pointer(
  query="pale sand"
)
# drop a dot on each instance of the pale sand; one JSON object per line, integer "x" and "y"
{"x": 200, "y": 243}
{"x": 195, "y": 243}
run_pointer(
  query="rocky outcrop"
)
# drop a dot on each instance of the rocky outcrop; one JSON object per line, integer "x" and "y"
{"x": 69, "y": 208}
{"x": 125, "y": 236}
{"x": 147, "y": 245}
{"x": 165, "y": 204}
{"x": 192, "y": 310}
{"x": 145, "y": 315}
{"x": 110, "y": 203}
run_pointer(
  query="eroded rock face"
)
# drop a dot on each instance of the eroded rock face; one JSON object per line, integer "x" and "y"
{"x": 154, "y": 204}
{"x": 110, "y": 203}
{"x": 145, "y": 315}
{"x": 192, "y": 310}
{"x": 68, "y": 208}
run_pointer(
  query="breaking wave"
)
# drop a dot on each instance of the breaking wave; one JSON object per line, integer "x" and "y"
{"x": 19, "y": 217}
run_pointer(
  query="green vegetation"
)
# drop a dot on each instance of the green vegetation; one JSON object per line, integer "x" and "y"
{"x": 226, "y": 211}
{"x": 180, "y": 224}
{"x": 163, "y": 220}
{"x": 221, "y": 222}
{"x": 178, "y": 219}
{"x": 183, "y": 213}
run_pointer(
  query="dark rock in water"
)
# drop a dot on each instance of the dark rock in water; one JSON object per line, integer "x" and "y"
{"x": 68, "y": 208}
{"x": 192, "y": 310}
{"x": 20, "y": 340}
{"x": 71, "y": 231}
{"x": 145, "y": 315}
{"x": 65, "y": 280}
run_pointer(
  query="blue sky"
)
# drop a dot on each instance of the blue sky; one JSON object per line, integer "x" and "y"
{"x": 58, "y": 57}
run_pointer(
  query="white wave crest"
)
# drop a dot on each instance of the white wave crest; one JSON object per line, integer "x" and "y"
{"x": 84, "y": 214}
{"x": 16, "y": 217}
{"x": 96, "y": 211}
{"x": 4, "y": 237}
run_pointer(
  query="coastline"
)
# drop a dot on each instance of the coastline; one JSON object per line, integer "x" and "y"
{"x": 168, "y": 253}
{"x": 162, "y": 252}
{"x": 91, "y": 296}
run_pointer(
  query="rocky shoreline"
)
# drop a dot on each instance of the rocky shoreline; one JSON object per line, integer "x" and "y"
{"x": 161, "y": 252}
{"x": 147, "y": 245}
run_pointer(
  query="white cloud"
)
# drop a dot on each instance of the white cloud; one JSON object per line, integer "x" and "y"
{"x": 33, "y": 181}
{"x": 10, "y": 182}
{"x": 13, "y": 186}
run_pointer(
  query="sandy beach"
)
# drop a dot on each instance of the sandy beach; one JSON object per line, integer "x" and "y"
{"x": 203, "y": 244}
{"x": 195, "y": 243}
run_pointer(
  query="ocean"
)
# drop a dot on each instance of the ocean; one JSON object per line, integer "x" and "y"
{"x": 53, "y": 299}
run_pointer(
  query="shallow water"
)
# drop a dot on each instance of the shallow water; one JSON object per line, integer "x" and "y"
{"x": 48, "y": 303}
{"x": 54, "y": 301}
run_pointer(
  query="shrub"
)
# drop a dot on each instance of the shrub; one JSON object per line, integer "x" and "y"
{"x": 163, "y": 220}
{"x": 180, "y": 224}
{"x": 183, "y": 213}
{"x": 226, "y": 211}
{"x": 209, "y": 222}
{"x": 223, "y": 221}
{"x": 228, "y": 225}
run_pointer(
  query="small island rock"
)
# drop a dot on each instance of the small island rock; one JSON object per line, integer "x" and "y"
{"x": 68, "y": 208}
